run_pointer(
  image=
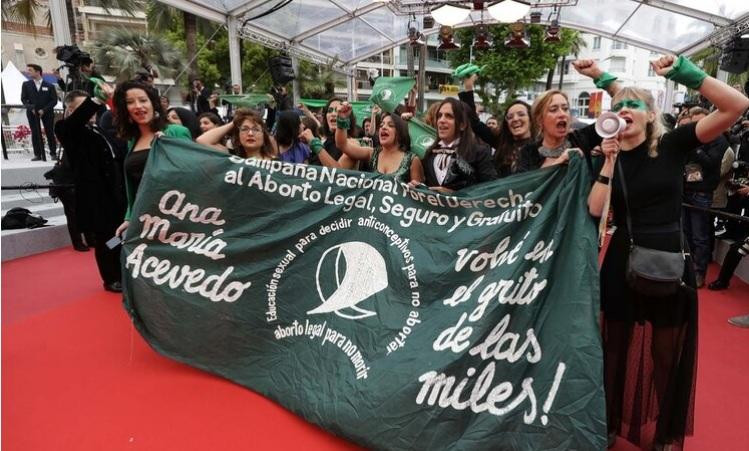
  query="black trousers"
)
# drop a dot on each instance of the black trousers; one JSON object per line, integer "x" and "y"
{"x": 107, "y": 260}
{"x": 67, "y": 197}
{"x": 48, "y": 120}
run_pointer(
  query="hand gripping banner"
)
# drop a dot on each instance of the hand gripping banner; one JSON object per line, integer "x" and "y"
{"x": 398, "y": 318}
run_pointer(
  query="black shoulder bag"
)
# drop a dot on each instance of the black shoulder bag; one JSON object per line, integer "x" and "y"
{"x": 652, "y": 272}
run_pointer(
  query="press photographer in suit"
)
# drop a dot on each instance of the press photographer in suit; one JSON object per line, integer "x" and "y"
{"x": 40, "y": 98}
{"x": 98, "y": 175}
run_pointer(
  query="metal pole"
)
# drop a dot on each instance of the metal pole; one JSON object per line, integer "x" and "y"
{"x": 235, "y": 55}
{"x": 421, "y": 101}
{"x": 295, "y": 89}
{"x": 59, "y": 16}
{"x": 350, "y": 83}
{"x": 410, "y": 59}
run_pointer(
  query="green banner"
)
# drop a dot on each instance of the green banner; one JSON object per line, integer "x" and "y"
{"x": 388, "y": 92}
{"x": 398, "y": 318}
{"x": 422, "y": 136}
{"x": 250, "y": 100}
{"x": 362, "y": 109}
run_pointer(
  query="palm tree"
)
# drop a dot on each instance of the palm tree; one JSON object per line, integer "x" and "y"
{"x": 124, "y": 52}
{"x": 317, "y": 81}
{"x": 25, "y": 11}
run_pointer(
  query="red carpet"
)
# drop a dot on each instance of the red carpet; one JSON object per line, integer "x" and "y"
{"x": 76, "y": 376}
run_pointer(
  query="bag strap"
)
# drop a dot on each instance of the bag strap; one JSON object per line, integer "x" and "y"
{"x": 620, "y": 172}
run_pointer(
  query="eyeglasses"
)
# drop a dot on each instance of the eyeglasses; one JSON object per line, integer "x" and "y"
{"x": 250, "y": 130}
{"x": 632, "y": 104}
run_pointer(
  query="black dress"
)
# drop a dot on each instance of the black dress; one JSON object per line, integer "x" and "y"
{"x": 650, "y": 344}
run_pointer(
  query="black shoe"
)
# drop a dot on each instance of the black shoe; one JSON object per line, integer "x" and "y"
{"x": 114, "y": 287}
{"x": 717, "y": 285}
{"x": 36, "y": 159}
{"x": 700, "y": 280}
{"x": 81, "y": 247}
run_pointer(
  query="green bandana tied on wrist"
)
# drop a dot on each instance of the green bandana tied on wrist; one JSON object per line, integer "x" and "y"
{"x": 686, "y": 73}
{"x": 604, "y": 81}
{"x": 343, "y": 123}
{"x": 315, "y": 146}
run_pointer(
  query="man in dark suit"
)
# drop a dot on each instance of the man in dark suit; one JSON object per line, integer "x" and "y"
{"x": 97, "y": 174}
{"x": 199, "y": 98}
{"x": 40, "y": 98}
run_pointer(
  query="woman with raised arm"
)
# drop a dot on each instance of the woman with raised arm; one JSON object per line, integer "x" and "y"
{"x": 330, "y": 112}
{"x": 393, "y": 157}
{"x": 248, "y": 136}
{"x": 456, "y": 160}
{"x": 650, "y": 343}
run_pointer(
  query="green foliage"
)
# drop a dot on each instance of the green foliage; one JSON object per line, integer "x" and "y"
{"x": 124, "y": 51}
{"x": 510, "y": 70}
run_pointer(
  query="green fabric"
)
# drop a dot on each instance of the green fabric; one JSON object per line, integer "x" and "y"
{"x": 98, "y": 93}
{"x": 604, "y": 81}
{"x": 362, "y": 109}
{"x": 172, "y": 131}
{"x": 466, "y": 70}
{"x": 343, "y": 296}
{"x": 315, "y": 145}
{"x": 343, "y": 123}
{"x": 250, "y": 100}
{"x": 388, "y": 92}
{"x": 686, "y": 73}
{"x": 422, "y": 136}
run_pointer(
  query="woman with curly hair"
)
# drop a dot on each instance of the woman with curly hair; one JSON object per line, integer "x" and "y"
{"x": 139, "y": 118}
{"x": 248, "y": 136}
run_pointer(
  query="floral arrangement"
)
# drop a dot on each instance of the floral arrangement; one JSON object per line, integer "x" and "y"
{"x": 21, "y": 133}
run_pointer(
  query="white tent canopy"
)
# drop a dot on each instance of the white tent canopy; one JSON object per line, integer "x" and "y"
{"x": 348, "y": 31}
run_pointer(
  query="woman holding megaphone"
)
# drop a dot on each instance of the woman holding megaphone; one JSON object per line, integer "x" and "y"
{"x": 649, "y": 333}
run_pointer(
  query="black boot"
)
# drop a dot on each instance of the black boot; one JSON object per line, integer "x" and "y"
{"x": 727, "y": 268}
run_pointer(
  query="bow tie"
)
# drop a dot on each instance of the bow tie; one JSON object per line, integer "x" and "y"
{"x": 450, "y": 150}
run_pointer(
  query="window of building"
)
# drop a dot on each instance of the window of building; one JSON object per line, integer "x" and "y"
{"x": 40, "y": 52}
{"x": 596, "y": 43}
{"x": 618, "y": 45}
{"x": 618, "y": 64}
{"x": 582, "y": 104}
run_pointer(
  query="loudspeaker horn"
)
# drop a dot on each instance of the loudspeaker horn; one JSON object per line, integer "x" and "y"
{"x": 609, "y": 125}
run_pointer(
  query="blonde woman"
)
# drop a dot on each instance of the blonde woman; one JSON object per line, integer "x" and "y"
{"x": 650, "y": 344}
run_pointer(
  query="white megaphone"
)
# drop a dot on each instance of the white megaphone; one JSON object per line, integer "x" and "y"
{"x": 609, "y": 125}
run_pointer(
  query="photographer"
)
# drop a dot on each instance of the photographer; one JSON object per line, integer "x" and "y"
{"x": 199, "y": 98}
{"x": 99, "y": 192}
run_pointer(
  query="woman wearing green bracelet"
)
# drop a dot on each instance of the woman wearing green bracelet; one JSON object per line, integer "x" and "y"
{"x": 650, "y": 344}
{"x": 139, "y": 118}
{"x": 393, "y": 157}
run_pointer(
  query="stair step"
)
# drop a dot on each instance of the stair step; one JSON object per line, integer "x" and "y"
{"x": 23, "y": 242}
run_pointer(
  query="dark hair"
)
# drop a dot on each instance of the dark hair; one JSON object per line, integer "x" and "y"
{"x": 505, "y": 150}
{"x": 468, "y": 142}
{"x": 312, "y": 125}
{"x": 36, "y": 67}
{"x": 188, "y": 119}
{"x": 326, "y": 130}
{"x": 403, "y": 138}
{"x": 213, "y": 117}
{"x": 126, "y": 127}
{"x": 74, "y": 94}
{"x": 240, "y": 116}
{"x": 287, "y": 128}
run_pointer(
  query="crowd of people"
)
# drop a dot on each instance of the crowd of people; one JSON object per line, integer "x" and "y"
{"x": 647, "y": 171}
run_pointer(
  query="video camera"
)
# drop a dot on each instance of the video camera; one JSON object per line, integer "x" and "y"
{"x": 72, "y": 56}
{"x": 740, "y": 175}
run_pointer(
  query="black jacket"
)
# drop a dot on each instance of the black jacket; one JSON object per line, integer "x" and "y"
{"x": 44, "y": 99}
{"x": 462, "y": 173}
{"x": 708, "y": 157}
{"x": 480, "y": 129}
{"x": 97, "y": 172}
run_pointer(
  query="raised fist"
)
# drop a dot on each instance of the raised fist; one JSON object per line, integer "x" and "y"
{"x": 663, "y": 65}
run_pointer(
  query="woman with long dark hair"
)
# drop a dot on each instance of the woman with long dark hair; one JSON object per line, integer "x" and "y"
{"x": 290, "y": 147}
{"x": 330, "y": 113}
{"x": 139, "y": 117}
{"x": 185, "y": 118}
{"x": 650, "y": 342}
{"x": 515, "y": 133}
{"x": 456, "y": 160}
{"x": 392, "y": 157}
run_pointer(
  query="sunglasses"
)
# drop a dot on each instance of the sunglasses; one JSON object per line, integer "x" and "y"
{"x": 632, "y": 104}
